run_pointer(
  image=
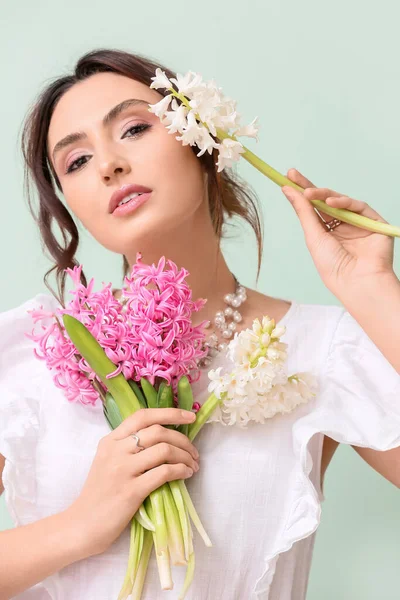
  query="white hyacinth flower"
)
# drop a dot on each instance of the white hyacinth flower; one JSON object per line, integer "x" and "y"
{"x": 203, "y": 114}
{"x": 258, "y": 388}
{"x": 218, "y": 382}
{"x": 161, "y": 107}
{"x": 161, "y": 80}
{"x": 206, "y": 142}
{"x": 192, "y": 132}
{"x": 187, "y": 84}
{"x": 248, "y": 130}
{"x": 176, "y": 117}
{"x": 229, "y": 152}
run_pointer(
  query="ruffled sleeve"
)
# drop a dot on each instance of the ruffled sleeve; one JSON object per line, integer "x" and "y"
{"x": 359, "y": 399}
{"x": 358, "y": 404}
{"x": 20, "y": 378}
{"x": 360, "y": 391}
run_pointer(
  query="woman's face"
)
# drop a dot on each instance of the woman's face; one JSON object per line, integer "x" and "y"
{"x": 132, "y": 148}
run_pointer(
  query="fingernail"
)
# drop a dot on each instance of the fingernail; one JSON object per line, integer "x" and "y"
{"x": 190, "y": 472}
{"x": 188, "y": 415}
{"x": 196, "y": 467}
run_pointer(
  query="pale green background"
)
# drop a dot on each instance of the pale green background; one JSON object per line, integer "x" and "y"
{"x": 324, "y": 80}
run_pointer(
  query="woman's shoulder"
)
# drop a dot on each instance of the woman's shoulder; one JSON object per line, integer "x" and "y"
{"x": 348, "y": 356}
{"x": 340, "y": 327}
{"x": 15, "y": 322}
{"x": 307, "y": 312}
{"x": 326, "y": 334}
{"x": 296, "y": 315}
{"x": 15, "y": 318}
{"x": 332, "y": 332}
{"x": 41, "y": 298}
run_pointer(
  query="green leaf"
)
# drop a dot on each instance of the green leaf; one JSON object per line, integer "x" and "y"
{"x": 185, "y": 394}
{"x": 149, "y": 392}
{"x": 185, "y": 399}
{"x": 114, "y": 416}
{"x": 138, "y": 393}
{"x": 165, "y": 398}
{"x": 107, "y": 418}
{"x": 90, "y": 349}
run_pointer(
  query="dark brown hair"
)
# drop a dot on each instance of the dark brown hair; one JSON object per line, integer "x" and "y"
{"x": 228, "y": 195}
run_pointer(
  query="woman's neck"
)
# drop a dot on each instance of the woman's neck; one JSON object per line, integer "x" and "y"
{"x": 211, "y": 279}
{"x": 196, "y": 248}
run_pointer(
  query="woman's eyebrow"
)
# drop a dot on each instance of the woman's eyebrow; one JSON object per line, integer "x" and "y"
{"x": 107, "y": 119}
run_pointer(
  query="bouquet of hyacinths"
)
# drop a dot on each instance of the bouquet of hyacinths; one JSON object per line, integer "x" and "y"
{"x": 139, "y": 353}
{"x": 204, "y": 117}
{"x": 95, "y": 347}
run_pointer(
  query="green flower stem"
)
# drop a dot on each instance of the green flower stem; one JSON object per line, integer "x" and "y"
{"x": 143, "y": 519}
{"x": 143, "y": 564}
{"x": 175, "y": 534}
{"x": 193, "y": 514}
{"x": 190, "y": 532}
{"x": 202, "y": 416}
{"x": 163, "y": 559}
{"x": 135, "y": 553}
{"x": 347, "y": 216}
{"x": 161, "y": 533}
{"x": 188, "y": 578}
{"x": 137, "y": 542}
{"x": 183, "y": 517}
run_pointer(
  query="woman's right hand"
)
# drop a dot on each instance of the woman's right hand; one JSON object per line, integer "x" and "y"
{"x": 121, "y": 476}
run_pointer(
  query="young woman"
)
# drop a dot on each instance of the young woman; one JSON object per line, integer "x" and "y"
{"x": 71, "y": 484}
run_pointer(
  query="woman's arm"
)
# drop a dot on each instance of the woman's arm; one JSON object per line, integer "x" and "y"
{"x": 357, "y": 267}
{"x": 119, "y": 480}
{"x": 30, "y": 553}
{"x": 375, "y": 304}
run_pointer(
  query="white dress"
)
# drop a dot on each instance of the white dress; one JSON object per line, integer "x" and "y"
{"x": 257, "y": 491}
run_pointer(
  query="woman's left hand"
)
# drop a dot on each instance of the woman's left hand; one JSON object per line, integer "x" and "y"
{"x": 347, "y": 254}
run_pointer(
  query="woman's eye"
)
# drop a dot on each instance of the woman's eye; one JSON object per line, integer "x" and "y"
{"x": 139, "y": 128}
{"x": 76, "y": 162}
{"x": 135, "y": 129}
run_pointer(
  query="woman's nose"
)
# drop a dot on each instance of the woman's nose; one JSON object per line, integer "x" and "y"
{"x": 113, "y": 166}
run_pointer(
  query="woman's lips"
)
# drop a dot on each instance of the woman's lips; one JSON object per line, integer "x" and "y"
{"x": 132, "y": 205}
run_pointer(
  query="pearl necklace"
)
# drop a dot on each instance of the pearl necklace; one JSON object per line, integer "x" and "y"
{"x": 225, "y": 320}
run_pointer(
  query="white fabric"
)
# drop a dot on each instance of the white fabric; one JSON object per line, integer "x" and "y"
{"x": 258, "y": 490}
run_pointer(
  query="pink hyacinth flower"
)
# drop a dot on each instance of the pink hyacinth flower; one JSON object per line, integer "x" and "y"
{"x": 150, "y": 336}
